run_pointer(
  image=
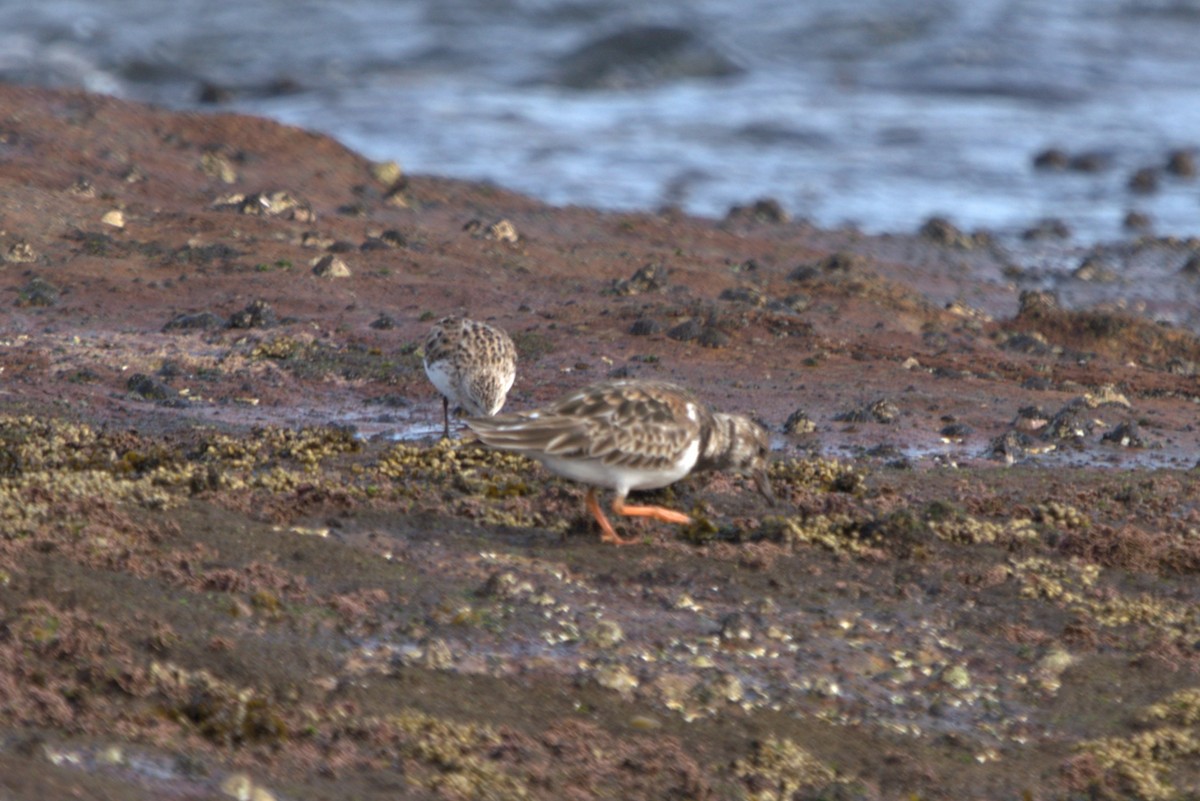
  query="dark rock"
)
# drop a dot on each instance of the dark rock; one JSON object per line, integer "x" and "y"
{"x": 736, "y": 628}
{"x": 645, "y": 326}
{"x": 170, "y": 369}
{"x": 1034, "y": 344}
{"x": 745, "y": 294}
{"x": 394, "y": 238}
{"x": 197, "y": 321}
{"x": 622, "y": 371}
{"x": 93, "y": 244}
{"x": 941, "y": 231}
{"x": 150, "y": 388}
{"x": 1035, "y": 302}
{"x": 38, "y": 292}
{"x": 1090, "y": 162}
{"x": 798, "y": 423}
{"x": 1127, "y": 435}
{"x": 640, "y": 57}
{"x": 1010, "y": 446}
{"x": 1180, "y": 366}
{"x": 1072, "y": 422}
{"x": 383, "y": 322}
{"x": 687, "y": 330}
{"x": 878, "y": 411}
{"x": 765, "y": 210}
{"x": 1095, "y": 269}
{"x": 205, "y": 254}
{"x": 1050, "y": 228}
{"x": 1038, "y": 384}
{"x": 840, "y": 263}
{"x": 712, "y": 337}
{"x": 1137, "y": 221}
{"x": 1144, "y": 181}
{"x": 1182, "y": 163}
{"x": 796, "y": 303}
{"x": 211, "y": 94}
{"x": 957, "y": 431}
{"x": 885, "y": 450}
{"x": 257, "y": 314}
{"x": 1052, "y": 158}
{"x": 1191, "y": 267}
{"x": 650, "y": 278}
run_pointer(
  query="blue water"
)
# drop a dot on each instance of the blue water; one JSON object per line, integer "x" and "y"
{"x": 868, "y": 112}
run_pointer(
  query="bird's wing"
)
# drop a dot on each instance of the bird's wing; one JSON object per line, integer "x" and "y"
{"x": 631, "y": 426}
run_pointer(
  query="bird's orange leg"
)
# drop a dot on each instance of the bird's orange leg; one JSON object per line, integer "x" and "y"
{"x": 657, "y": 512}
{"x": 607, "y": 532}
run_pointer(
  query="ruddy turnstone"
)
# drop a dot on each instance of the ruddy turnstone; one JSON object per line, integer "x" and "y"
{"x": 631, "y": 435}
{"x": 472, "y": 364}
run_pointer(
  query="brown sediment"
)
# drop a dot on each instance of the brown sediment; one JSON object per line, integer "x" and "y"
{"x": 231, "y": 564}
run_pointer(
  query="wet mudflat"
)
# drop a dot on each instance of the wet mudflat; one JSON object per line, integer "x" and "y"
{"x": 236, "y": 562}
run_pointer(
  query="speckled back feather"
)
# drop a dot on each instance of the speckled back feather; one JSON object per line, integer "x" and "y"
{"x": 635, "y": 424}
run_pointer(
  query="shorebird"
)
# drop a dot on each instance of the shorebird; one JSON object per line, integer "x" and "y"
{"x": 472, "y": 364}
{"x": 631, "y": 435}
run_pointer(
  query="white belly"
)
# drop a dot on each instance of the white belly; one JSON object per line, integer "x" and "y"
{"x": 445, "y": 380}
{"x": 620, "y": 478}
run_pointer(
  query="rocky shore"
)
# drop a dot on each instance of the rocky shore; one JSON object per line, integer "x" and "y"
{"x": 235, "y": 562}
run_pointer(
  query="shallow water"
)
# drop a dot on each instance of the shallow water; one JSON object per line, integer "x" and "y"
{"x": 868, "y": 112}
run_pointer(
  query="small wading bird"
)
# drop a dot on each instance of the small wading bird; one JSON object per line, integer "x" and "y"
{"x": 631, "y": 435}
{"x": 472, "y": 364}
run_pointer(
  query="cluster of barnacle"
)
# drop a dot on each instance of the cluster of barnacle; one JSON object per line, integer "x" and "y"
{"x": 1181, "y": 708}
{"x": 700, "y": 690}
{"x": 221, "y": 711}
{"x": 828, "y": 475}
{"x": 264, "y": 446}
{"x": 1141, "y": 763}
{"x": 1171, "y": 618}
{"x": 1061, "y": 515}
{"x": 279, "y": 460}
{"x": 967, "y": 530}
{"x": 472, "y": 469}
{"x": 456, "y": 755}
{"x": 446, "y": 757}
{"x": 779, "y": 768}
{"x": 1052, "y": 580}
{"x": 280, "y": 347}
{"x": 1068, "y": 583}
{"x": 46, "y": 463}
{"x": 520, "y": 518}
{"x": 446, "y": 458}
{"x": 840, "y": 533}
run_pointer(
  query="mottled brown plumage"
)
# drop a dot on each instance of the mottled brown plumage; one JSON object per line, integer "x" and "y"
{"x": 472, "y": 364}
{"x": 627, "y": 435}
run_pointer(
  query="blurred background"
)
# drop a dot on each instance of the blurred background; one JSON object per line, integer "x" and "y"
{"x": 994, "y": 113}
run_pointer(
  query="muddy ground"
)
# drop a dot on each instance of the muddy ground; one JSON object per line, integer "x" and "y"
{"x": 235, "y": 561}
